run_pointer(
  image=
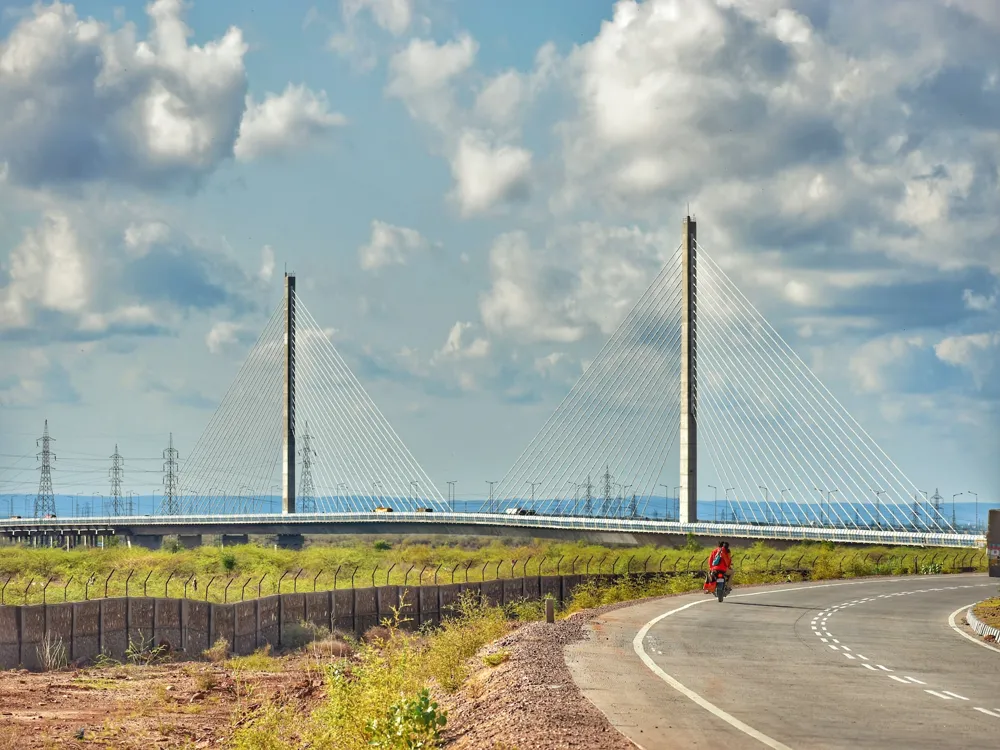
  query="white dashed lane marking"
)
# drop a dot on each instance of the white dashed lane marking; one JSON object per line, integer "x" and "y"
{"x": 986, "y": 711}
{"x": 898, "y": 679}
{"x": 939, "y": 695}
{"x": 914, "y": 680}
{"x": 955, "y": 695}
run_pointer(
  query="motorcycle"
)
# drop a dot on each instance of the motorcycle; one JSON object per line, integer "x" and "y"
{"x": 717, "y": 585}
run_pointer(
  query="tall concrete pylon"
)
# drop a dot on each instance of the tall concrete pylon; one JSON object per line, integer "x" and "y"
{"x": 688, "y": 499}
{"x": 288, "y": 403}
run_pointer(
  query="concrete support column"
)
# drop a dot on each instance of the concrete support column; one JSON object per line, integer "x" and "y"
{"x": 149, "y": 541}
{"x": 230, "y": 540}
{"x": 189, "y": 541}
{"x": 288, "y": 403}
{"x": 291, "y": 541}
{"x": 689, "y": 375}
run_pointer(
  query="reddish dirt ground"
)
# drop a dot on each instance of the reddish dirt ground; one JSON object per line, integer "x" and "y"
{"x": 180, "y": 704}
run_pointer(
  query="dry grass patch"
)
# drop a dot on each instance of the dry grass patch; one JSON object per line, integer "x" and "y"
{"x": 988, "y": 612}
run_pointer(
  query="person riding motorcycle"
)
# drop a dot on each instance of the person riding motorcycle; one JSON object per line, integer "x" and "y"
{"x": 720, "y": 559}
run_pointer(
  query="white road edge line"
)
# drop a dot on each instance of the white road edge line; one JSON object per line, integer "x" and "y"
{"x": 951, "y": 621}
{"x": 637, "y": 646}
{"x": 939, "y": 695}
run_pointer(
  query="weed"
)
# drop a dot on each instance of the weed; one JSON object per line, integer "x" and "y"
{"x": 409, "y": 723}
{"x": 218, "y": 652}
{"x": 205, "y": 681}
{"x": 104, "y": 660}
{"x": 497, "y": 658}
{"x": 259, "y": 661}
{"x": 142, "y": 651}
{"x": 52, "y": 653}
{"x": 268, "y": 727}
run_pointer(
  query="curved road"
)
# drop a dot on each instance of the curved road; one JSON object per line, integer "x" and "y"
{"x": 851, "y": 664}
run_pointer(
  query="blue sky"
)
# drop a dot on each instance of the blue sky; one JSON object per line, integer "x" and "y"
{"x": 518, "y": 170}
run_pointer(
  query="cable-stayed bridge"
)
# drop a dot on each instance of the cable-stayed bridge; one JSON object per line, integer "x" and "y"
{"x": 693, "y": 371}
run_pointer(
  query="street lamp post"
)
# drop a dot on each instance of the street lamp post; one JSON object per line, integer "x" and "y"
{"x": 451, "y": 493}
{"x": 732, "y": 513}
{"x": 576, "y": 497}
{"x": 878, "y": 507}
{"x": 489, "y": 504}
{"x": 977, "y": 507}
{"x": 666, "y": 510}
{"x": 957, "y": 494}
{"x": 767, "y": 504}
{"x": 781, "y": 504}
{"x": 415, "y": 486}
{"x": 715, "y": 503}
{"x": 532, "y": 493}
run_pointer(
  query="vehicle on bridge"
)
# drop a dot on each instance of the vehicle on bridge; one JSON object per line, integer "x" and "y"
{"x": 519, "y": 512}
{"x": 382, "y": 509}
{"x": 423, "y": 510}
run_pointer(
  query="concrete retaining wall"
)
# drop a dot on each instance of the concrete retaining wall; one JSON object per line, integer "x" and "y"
{"x": 107, "y": 626}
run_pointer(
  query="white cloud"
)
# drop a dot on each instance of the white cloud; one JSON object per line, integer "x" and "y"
{"x": 487, "y": 175}
{"x": 142, "y": 112}
{"x": 584, "y": 280}
{"x": 456, "y": 348}
{"x": 872, "y": 364}
{"x": 47, "y": 270}
{"x": 979, "y": 302}
{"x": 422, "y": 74}
{"x": 284, "y": 122}
{"x": 224, "y": 333}
{"x": 139, "y": 237}
{"x": 390, "y": 245}
{"x": 266, "y": 264}
{"x": 978, "y": 353}
{"x": 394, "y": 16}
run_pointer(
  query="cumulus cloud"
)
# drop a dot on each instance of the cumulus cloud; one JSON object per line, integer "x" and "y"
{"x": 485, "y": 176}
{"x": 33, "y": 378}
{"x": 583, "y": 280}
{"x": 455, "y": 346}
{"x": 146, "y": 112}
{"x": 394, "y": 16}
{"x": 979, "y": 302}
{"x": 488, "y": 167}
{"x": 390, "y": 245}
{"x": 422, "y": 76}
{"x": 284, "y": 122}
{"x": 874, "y": 363}
{"x": 47, "y": 271}
{"x": 978, "y": 353}
{"x": 227, "y": 333}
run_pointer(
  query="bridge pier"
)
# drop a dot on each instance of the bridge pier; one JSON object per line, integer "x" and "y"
{"x": 231, "y": 540}
{"x": 189, "y": 541}
{"x": 149, "y": 541}
{"x": 291, "y": 541}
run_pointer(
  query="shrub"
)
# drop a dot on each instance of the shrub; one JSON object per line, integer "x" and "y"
{"x": 497, "y": 658}
{"x": 382, "y": 545}
{"x": 228, "y": 561}
{"x": 410, "y": 723}
{"x": 218, "y": 652}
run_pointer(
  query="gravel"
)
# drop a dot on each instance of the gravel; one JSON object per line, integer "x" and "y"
{"x": 530, "y": 701}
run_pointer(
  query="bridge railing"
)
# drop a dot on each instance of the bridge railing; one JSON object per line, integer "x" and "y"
{"x": 135, "y": 524}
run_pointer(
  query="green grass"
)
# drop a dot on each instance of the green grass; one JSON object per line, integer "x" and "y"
{"x": 259, "y": 661}
{"x": 242, "y": 568}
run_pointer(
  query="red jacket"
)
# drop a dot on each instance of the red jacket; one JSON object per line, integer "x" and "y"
{"x": 727, "y": 559}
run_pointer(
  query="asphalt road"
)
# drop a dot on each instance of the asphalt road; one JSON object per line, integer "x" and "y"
{"x": 864, "y": 664}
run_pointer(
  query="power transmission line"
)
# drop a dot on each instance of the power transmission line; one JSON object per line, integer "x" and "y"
{"x": 45, "y": 500}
